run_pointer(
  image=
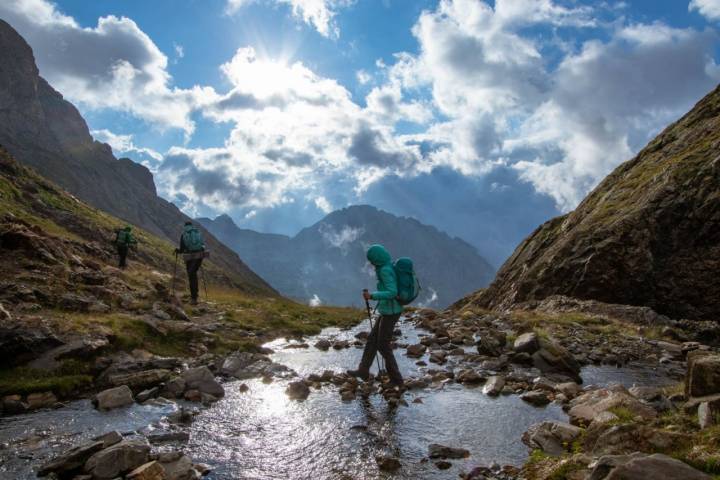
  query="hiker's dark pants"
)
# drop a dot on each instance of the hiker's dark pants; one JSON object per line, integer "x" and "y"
{"x": 192, "y": 267}
{"x": 122, "y": 253}
{"x": 379, "y": 341}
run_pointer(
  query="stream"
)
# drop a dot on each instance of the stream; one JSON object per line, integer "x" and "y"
{"x": 262, "y": 434}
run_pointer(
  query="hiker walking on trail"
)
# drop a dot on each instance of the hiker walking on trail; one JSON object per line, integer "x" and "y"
{"x": 192, "y": 246}
{"x": 124, "y": 240}
{"x": 390, "y": 310}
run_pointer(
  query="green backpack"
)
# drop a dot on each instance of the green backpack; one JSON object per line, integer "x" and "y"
{"x": 124, "y": 238}
{"x": 407, "y": 282}
{"x": 193, "y": 241}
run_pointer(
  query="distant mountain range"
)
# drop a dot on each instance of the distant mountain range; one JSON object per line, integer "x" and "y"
{"x": 46, "y": 132}
{"x": 326, "y": 262}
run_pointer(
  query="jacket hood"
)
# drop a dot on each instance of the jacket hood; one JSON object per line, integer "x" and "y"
{"x": 128, "y": 229}
{"x": 189, "y": 227}
{"x": 378, "y": 256}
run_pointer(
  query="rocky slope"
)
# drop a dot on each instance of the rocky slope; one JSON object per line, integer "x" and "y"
{"x": 42, "y": 130}
{"x": 328, "y": 258}
{"x": 649, "y": 234}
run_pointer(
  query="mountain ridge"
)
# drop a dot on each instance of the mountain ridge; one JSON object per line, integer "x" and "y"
{"x": 327, "y": 258}
{"x": 44, "y": 131}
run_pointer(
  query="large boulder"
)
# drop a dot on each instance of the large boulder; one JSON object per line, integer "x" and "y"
{"x": 611, "y": 439}
{"x": 494, "y": 385}
{"x": 553, "y": 438}
{"x": 527, "y": 343}
{"x": 114, "y": 398}
{"x": 552, "y": 359}
{"x": 138, "y": 381}
{"x": 703, "y": 375}
{"x": 586, "y": 407}
{"x": 118, "y": 459}
{"x": 202, "y": 379}
{"x": 644, "y": 467}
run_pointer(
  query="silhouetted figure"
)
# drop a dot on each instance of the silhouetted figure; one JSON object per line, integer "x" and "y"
{"x": 124, "y": 239}
{"x": 192, "y": 246}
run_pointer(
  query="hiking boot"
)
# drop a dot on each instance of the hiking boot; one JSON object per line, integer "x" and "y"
{"x": 193, "y": 301}
{"x": 361, "y": 374}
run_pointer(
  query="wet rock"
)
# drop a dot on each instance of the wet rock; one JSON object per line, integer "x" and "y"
{"x": 569, "y": 389}
{"x": 443, "y": 465}
{"x": 387, "y": 464}
{"x": 551, "y": 358}
{"x": 587, "y": 406}
{"x": 179, "y": 468}
{"x": 41, "y": 400}
{"x": 323, "y": 344}
{"x": 109, "y": 439}
{"x": 494, "y": 385}
{"x": 491, "y": 343}
{"x": 340, "y": 344}
{"x": 297, "y": 390}
{"x": 138, "y": 381}
{"x": 708, "y": 414}
{"x": 645, "y": 467}
{"x": 71, "y": 460}
{"x": 122, "y": 457}
{"x": 113, "y": 398}
{"x": 202, "y": 379}
{"x": 435, "y": 450}
{"x": 553, "y": 438}
{"x": 415, "y": 351}
{"x": 193, "y": 395}
{"x": 527, "y": 343}
{"x": 166, "y": 437}
{"x": 173, "y": 388}
{"x": 470, "y": 377}
{"x": 438, "y": 356}
{"x": 538, "y": 398}
{"x": 150, "y": 471}
{"x": 703, "y": 375}
{"x": 146, "y": 395}
{"x": 13, "y": 405}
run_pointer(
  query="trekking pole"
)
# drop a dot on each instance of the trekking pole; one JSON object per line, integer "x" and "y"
{"x": 377, "y": 334}
{"x": 174, "y": 274}
{"x": 202, "y": 272}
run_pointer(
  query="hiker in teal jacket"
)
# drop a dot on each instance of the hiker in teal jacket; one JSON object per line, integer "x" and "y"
{"x": 390, "y": 310}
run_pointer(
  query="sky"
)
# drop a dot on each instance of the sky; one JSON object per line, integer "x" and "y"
{"x": 483, "y": 118}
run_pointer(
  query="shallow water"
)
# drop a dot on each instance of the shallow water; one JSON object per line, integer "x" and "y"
{"x": 261, "y": 434}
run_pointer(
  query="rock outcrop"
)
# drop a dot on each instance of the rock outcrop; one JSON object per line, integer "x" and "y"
{"x": 46, "y": 132}
{"x": 648, "y": 235}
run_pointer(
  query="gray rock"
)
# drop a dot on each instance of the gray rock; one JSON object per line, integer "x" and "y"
{"x": 708, "y": 414}
{"x": 323, "y": 344}
{"x": 387, "y": 463}
{"x": 703, "y": 375}
{"x": 535, "y": 397}
{"x": 586, "y": 407}
{"x": 202, "y": 379}
{"x": 13, "y": 405}
{"x": 150, "y": 471}
{"x": 177, "y": 467}
{"x": 118, "y": 459}
{"x": 70, "y": 461}
{"x": 494, "y": 385}
{"x": 655, "y": 466}
{"x": 491, "y": 343}
{"x": 415, "y": 351}
{"x": 527, "y": 343}
{"x": 435, "y": 450}
{"x": 109, "y": 439}
{"x": 551, "y": 358}
{"x": 138, "y": 381}
{"x": 114, "y": 398}
{"x": 41, "y": 400}
{"x": 553, "y": 438}
{"x": 173, "y": 388}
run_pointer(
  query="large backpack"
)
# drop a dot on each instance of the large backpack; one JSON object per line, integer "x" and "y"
{"x": 193, "y": 241}
{"x": 123, "y": 238}
{"x": 407, "y": 282}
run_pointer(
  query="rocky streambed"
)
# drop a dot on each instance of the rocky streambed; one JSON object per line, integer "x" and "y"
{"x": 293, "y": 415}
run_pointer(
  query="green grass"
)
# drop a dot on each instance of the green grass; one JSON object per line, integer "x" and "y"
{"x": 24, "y": 381}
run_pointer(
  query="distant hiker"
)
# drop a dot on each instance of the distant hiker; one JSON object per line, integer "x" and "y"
{"x": 124, "y": 239}
{"x": 390, "y": 310}
{"x": 193, "y": 248}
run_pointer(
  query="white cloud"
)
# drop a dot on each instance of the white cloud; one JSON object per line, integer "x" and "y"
{"x": 113, "y": 65}
{"x": 323, "y": 204}
{"x": 707, "y": 8}
{"x": 123, "y": 144}
{"x": 318, "y": 13}
{"x": 315, "y": 301}
{"x": 341, "y": 239}
{"x": 363, "y": 77}
{"x": 179, "y": 51}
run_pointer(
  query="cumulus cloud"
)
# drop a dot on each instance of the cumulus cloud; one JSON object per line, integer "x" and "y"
{"x": 112, "y": 65}
{"x": 342, "y": 238}
{"x": 707, "y": 8}
{"x": 315, "y": 301}
{"x": 318, "y": 13}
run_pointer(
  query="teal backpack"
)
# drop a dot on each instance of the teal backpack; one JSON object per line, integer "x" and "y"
{"x": 407, "y": 282}
{"x": 193, "y": 241}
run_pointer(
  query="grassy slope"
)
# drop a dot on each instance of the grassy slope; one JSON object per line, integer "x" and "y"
{"x": 25, "y": 197}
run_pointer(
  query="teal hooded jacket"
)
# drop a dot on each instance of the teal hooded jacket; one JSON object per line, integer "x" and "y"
{"x": 387, "y": 289}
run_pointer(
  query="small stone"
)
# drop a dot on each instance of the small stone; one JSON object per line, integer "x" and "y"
{"x": 535, "y": 397}
{"x": 494, "y": 385}
{"x": 415, "y": 351}
{"x": 297, "y": 390}
{"x": 243, "y": 388}
{"x": 435, "y": 450}
{"x": 443, "y": 465}
{"x": 387, "y": 464}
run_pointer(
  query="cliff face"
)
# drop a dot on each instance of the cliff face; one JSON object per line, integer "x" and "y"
{"x": 43, "y": 130}
{"x": 649, "y": 234}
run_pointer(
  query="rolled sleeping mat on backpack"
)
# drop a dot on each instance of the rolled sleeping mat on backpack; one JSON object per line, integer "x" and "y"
{"x": 196, "y": 255}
